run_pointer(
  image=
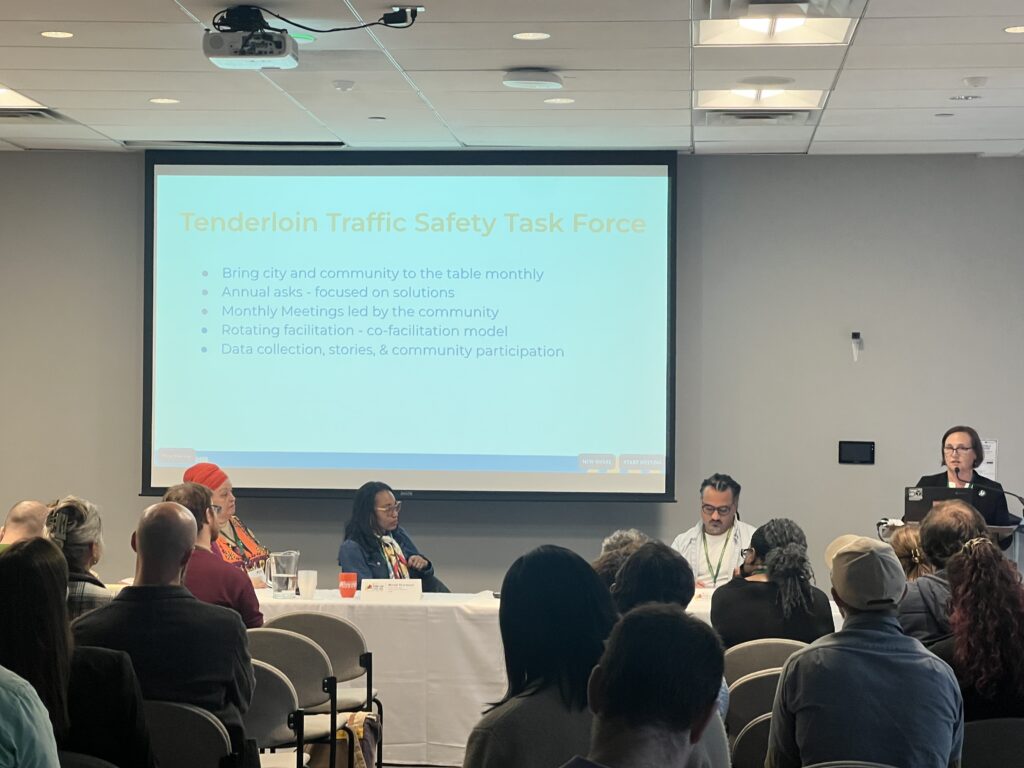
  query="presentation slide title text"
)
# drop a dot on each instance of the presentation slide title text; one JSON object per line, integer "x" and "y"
{"x": 387, "y": 222}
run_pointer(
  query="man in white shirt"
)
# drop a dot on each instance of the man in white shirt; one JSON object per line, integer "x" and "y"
{"x": 714, "y": 547}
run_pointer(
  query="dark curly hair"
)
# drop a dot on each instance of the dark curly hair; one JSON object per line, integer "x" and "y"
{"x": 782, "y": 545}
{"x": 987, "y": 618}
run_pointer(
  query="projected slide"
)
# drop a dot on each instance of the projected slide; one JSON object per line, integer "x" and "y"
{"x": 439, "y": 327}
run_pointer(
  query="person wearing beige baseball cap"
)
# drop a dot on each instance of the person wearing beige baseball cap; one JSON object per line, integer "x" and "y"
{"x": 866, "y": 574}
{"x": 845, "y": 696}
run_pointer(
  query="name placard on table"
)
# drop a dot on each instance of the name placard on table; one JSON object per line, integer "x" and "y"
{"x": 390, "y": 590}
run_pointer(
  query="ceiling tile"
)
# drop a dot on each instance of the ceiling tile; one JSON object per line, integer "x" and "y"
{"x": 749, "y": 147}
{"x": 969, "y": 147}
{"x": 558, "y": 60}
{"x": 622, "y": 118}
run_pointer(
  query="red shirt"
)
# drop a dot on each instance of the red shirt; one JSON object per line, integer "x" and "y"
{"x": 212, "y": 580}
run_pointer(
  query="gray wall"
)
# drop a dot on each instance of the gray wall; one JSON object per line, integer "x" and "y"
{"x": 779, "y": 260}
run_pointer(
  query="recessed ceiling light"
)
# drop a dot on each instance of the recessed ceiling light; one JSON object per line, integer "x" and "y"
{"x": 1015, "y": 30}
{"x": 344, "y": 85}
{"x": 57, "y": 35}
{"x": 944, "y": 114}
{"x": 775, "y": 30}
{"x": 532, "y": 79}
{"x": 162, "y": 100}
{"x": 531, "y": 36}
{"x": 964, "y": 98}
{"x": 13, "y": 100}
{"x": 302, "y": 38}
{"x": 560, "y": 101}
{"x": 759, "y": 98}
{"x": 376, "y": 117}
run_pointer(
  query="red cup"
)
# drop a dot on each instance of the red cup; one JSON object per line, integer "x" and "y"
{"x": 347, "y": 583}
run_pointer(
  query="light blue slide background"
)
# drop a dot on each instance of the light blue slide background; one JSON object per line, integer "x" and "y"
{"x": 603, "y": 299}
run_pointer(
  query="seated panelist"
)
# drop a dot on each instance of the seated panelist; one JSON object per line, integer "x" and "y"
{"x": 962, "y": 453}
{"x": 376, "y": 547}
{"x": 236, "y": 545}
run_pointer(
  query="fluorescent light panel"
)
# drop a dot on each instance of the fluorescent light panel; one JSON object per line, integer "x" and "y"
{"x": 13, "y": 100}
{"x": 759, "y": 98}
{"x": 780, "y": 30}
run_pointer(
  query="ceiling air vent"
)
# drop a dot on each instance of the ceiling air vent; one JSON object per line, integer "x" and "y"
{"x": 757, "y": 117}
{"x": 29, "y": 116}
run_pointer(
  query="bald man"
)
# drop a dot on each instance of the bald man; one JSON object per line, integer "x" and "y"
{"x": 182, "y": 649}
{"x": 26, "y": 520}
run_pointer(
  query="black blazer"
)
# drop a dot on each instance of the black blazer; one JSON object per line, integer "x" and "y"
{"x": 995, "y": 512}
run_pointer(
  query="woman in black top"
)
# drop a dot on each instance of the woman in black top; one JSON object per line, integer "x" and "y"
{"x": 91, "y": 694}
{"x": 987, "y": 619}
{"x": 772, "y": 595}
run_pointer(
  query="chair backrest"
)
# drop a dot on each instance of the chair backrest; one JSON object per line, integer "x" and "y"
{"x": 993, "y": 742}
{"x": 849, "y": 764}
{"x": 751, "y": 745}
{"x": 274, "y": 701}
{"x": 185, "y": 736}
{"x": 750, "y": 696}
{"x": 341, "y": 639}
{"x": 755, "y": 655}
{"x": 301, "y": 660}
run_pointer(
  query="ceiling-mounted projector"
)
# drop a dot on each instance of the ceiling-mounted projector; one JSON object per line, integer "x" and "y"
{"x": 260, "y": 49}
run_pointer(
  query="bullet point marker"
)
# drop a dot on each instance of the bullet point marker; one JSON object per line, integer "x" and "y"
{"x": 205, "y": 273}
{"x": 203, "y": 349}
{"x": 205, "y": 291}
{"x": 204, "y": 330}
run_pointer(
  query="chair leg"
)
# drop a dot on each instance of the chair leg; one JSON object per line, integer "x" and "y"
{"x": 380, "y": 732}
{"x": 351, "y": 745}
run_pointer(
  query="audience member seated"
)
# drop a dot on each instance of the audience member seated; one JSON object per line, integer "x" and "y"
{"x": 554, "y": 617}
{"x": 773, "y": 595}
{"x": 906, "y": 543}
{"x": 74, "y": 525}
{"x": 183, "y": 650}
{"x": 924, "y": 612}
{"x": 237, "y": 545}
{"x": 25, "y": 520}
{"x": 867, "y": 692}
{"x": 91, "y": 694}
{"x": 26, "y": 735}
{"x": 615, "y": 550}
{"x": 656, "y": 573}
{"x": 377, "y": 547}
{"x": 652, "y": 714}
{"x": 713, "y": 546}
{"x": 987, "y": 618}
{"x": 208, "y": 577}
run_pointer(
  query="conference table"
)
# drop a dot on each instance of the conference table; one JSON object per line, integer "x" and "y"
{"x": 437, "y": 663}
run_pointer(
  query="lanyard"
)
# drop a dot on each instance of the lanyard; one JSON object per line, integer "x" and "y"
{"x": 707, "y": 557}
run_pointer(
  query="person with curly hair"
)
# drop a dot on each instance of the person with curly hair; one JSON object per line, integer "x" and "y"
{"x": 906, "y": 543}
{"x": 987, "y": 619}
{"x": 773, "y": 594}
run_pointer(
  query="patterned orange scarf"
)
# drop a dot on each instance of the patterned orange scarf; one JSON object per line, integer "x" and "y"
{"x": 238, "y": 546}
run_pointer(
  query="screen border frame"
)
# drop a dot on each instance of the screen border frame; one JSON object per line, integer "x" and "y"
{"x": 271, "y": 157}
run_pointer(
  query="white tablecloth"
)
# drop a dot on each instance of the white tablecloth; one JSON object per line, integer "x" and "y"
{"x": 437, "y": 662}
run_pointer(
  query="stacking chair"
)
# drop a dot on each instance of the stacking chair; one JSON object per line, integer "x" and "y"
{"x": 755, "y": 655}
{"x": 309, "y": 671}
{"x": 345, "y": 646}
{"x": 275, "y": 719}
{"x": 751, "y": 745}
{"x": 185, "y": 736}
{"x": 749, "y": 697}
{"x": 998, "y": 742}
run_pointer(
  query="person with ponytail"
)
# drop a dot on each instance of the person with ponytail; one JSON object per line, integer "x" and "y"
{"x": 75, "y": 527}
{"x": 772, "y": 594}
{"x": 987, "y": 619}
{"x": 906, "y": 543}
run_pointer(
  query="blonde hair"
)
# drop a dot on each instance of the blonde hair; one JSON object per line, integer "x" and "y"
{"x": 906, "y": 541}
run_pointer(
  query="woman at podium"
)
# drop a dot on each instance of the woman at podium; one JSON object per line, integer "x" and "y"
{"x": 962, "y": 453}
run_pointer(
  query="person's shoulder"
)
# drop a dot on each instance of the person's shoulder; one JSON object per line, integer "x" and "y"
{"x": 986, "y": 481}
{"x": 524, "y": 707}
{"x": 686, "y": 536}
